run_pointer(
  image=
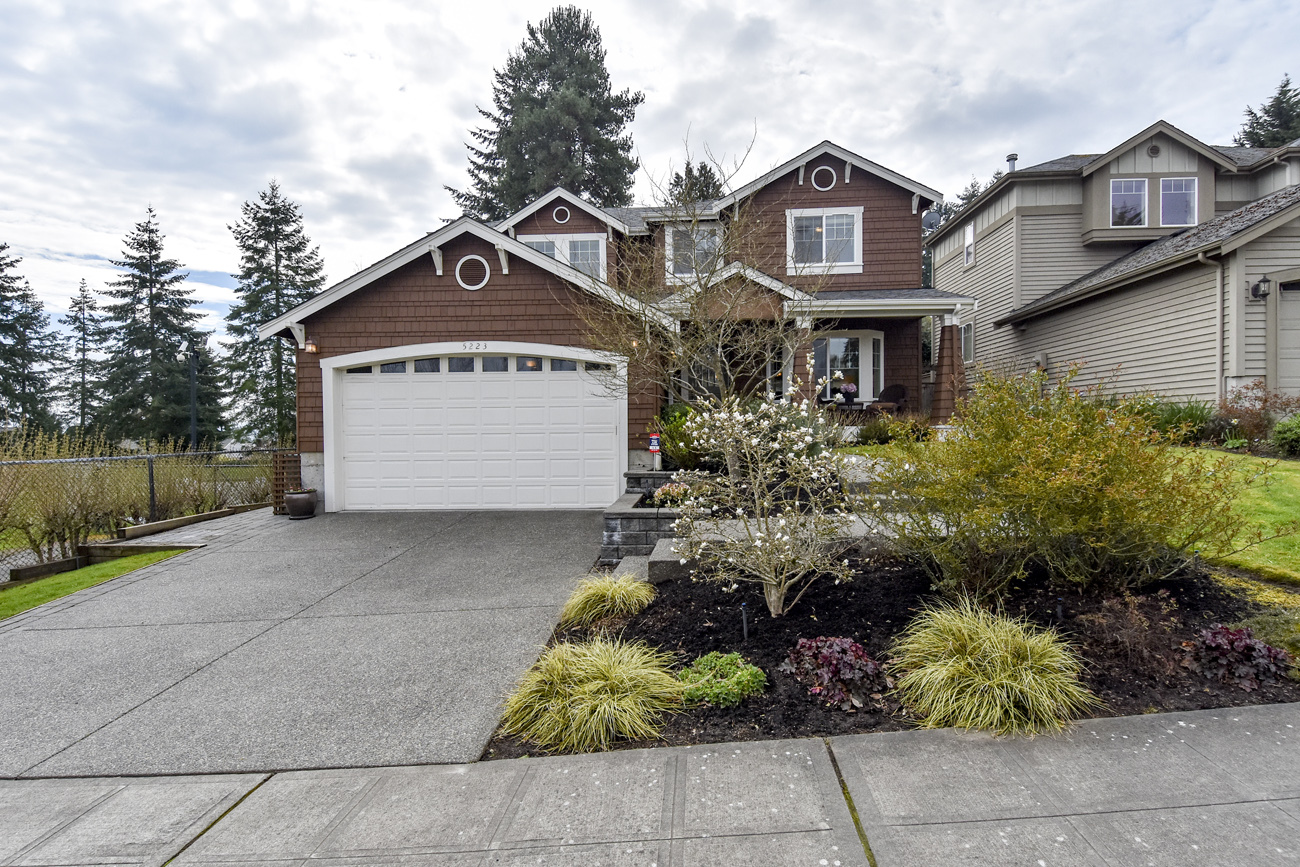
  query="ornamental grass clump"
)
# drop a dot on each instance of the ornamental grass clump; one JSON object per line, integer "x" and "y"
{"x": 584, "y": 696}
{"x": 722, "y": 679}
{"x": 963, "y": 666}
{"x": 1050, "y": 479}
{"x": 600, "y": 598}
{"x": 778, "y": 515}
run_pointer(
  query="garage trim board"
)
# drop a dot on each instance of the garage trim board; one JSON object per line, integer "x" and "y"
{"x": 505, "y": 425}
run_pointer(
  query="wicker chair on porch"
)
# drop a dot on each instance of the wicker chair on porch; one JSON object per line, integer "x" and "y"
{"x": 892, "y": 399}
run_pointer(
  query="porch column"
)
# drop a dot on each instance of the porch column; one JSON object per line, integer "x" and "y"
{"x": 950, "y": 376}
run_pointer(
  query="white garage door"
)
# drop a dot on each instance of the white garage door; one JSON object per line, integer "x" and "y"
{"x": 477, "y": 431}
{"x": 1288, "y": 338}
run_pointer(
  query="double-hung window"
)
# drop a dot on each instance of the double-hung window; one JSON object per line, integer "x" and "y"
{"x": 1128, "y": 202}
{"x": 585, "y": 252}
{"x": 1178, "y": 201}
{"x": 856, "y": 359}
{"x": 691, "y": 250}
{"x": 968, "y": 244}
{"x": 824, "y": 241}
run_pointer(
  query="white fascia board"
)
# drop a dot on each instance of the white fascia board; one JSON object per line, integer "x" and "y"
{"x": 423, "y": 247}
{"x": 678, "y": 300}
{"x": 892, "y": 307}
{"x": 560, "y": 192}
{"x": 834, "y": 150}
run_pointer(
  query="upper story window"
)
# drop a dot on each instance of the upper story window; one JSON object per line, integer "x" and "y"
{"x": 824, "y": 240}
{"x": 968, "y": 242}
{"x": 1178, "y": 201}
{"x": 586, "y": 252}
{"x": 1128, "y": 202}
{"x": 691, "y": 249}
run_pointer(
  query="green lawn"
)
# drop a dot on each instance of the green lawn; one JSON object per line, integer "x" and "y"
{"x": 1268, "y": 507}
{"x": 15, "y": 600}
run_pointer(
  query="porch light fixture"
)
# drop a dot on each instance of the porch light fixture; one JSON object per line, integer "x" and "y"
{"x": 310, "y": 346}
{"x": 1259, "y": 291}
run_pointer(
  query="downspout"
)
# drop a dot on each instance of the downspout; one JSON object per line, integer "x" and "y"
{"x": 1218, "y": 319}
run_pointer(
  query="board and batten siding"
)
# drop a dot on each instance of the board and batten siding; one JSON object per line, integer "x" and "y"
{"x": 990, "y": 281}
{"x": 1157, "y": 336}
{"x": 1051, "y": 254}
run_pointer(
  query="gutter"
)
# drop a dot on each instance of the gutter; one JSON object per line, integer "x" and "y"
{"x": 1219, "y": 341}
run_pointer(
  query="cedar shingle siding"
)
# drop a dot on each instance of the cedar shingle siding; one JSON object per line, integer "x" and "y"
{"x": 414, "y": 305}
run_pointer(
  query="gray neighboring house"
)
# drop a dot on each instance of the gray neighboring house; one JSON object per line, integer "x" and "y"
{"x": 1168, "y": 263}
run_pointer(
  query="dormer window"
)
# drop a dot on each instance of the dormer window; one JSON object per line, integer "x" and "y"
{"x": 1128, "y": 203}
{"x": 690, "y": 250}
{"x": 585, "y": 252}
{"x": 824, "y": 241}
{"x": 1178, "y": 201}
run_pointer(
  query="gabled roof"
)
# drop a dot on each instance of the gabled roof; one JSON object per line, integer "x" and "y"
{"x": 1219, "y": 235}
{"x": 571, "y": 198}
{"x": 1174, "y": 133}
{"x": 828, "y": 147}
{"x": 291, "y": 320}
{"x": 753, "y": 275}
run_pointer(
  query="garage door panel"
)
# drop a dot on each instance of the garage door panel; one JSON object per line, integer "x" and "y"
{"x": 513, "y": 439}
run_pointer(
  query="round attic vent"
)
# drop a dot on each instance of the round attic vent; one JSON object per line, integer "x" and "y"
{"x": 1153, "y": 150}
{"x": 825, "y": 181}
{"x": 560, "y": 214}
{"x": 472, "y": 272}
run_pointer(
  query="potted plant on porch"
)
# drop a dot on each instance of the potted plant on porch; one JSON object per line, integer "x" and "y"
{"x": 300, "y": 503}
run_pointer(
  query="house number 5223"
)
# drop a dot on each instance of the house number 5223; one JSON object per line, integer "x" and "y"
{"x": 469, "y": 344}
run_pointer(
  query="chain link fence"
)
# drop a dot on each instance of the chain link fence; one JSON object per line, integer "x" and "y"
{"x": 49, "y": 507}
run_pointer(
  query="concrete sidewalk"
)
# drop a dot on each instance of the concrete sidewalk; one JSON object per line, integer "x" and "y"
{"x": 1183, "y": 790}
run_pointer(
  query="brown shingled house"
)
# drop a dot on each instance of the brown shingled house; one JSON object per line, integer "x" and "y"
{"x": 457, "y": 372}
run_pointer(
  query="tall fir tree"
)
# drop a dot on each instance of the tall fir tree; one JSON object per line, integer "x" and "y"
{"x": 26, "y": 350}
{"x": 80, "y": 369}
{"x": 1277, "y": 122}
{"x": 555, "y": 123}
{"x": 696, "y": 183}
{"x": 151, "y": 323}
{"x": 278, "y": 270}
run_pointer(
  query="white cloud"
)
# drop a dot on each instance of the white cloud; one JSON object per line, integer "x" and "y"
{"x": 361, "y": 112}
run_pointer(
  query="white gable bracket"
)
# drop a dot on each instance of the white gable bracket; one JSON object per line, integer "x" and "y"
{"x": 505, "y": 259}
{"x": 299, "y": 334}
{"x": 801, "y": 168}
{"x": 916, "y": 201}
{"x": 848, "y": 170}
{"x": 437, "y": 259}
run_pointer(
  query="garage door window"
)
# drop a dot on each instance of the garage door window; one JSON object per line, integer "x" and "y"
{"x": 359, "y": 370}
{"x": 598, "y": 365}
{"x": 496, "y": 364}
{"x": 526, "y": 363}
{"x": 428, "y": 365}
{"x": 558, "y": 364}
{"x": 460, "y": 364}
{"x": 393, "y": 367}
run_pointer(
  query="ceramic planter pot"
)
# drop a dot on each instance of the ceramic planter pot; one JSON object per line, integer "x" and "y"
{"x": 300, "y": 504}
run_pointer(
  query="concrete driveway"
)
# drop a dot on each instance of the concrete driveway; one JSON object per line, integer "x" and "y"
{"x": 344, "y": 641}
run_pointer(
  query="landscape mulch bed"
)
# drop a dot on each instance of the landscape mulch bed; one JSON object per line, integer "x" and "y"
{"x": 1133, "y": 647}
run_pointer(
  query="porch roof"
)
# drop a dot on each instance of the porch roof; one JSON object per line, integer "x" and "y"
{"x": 884, "y": 303}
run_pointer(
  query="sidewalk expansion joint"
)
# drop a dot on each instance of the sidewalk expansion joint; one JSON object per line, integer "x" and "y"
{"x": 848, "y": 800}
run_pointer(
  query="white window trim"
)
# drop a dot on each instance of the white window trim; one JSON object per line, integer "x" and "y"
{"x": 561, "y": 243}
{"x": 793, "y": 269}
{"x": 1146, "y": 204}
{"x": 670, "y": 275}
{"x": 1196, "y": 195}
{"x": 967, "y": 329}
{"x": 968, "y": 246}
{"x": 866, "y": 375}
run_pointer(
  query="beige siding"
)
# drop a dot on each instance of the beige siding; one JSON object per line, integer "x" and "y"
{"x": 989, "y": 281}
{"x": 1279, "y": 250}
{"x": 987, "y": 216}
{"x": 1059, "y": 192}
{"x": 1173, "y": 157}
{"x": 1051, "y": 254}
{"x": 1230, "y": 191}
{"x": 1270, "y": 180}
{"x": 1157, "y": 336}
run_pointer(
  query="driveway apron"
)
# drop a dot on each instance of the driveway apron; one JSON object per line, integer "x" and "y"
{"x": 351, "y": 640}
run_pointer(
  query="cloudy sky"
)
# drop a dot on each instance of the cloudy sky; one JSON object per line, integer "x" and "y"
{"x": 361, "y": 110}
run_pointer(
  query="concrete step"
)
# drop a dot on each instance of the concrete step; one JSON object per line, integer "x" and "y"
{"x": 637, "y": 567}
{"x": 665, "y": 564}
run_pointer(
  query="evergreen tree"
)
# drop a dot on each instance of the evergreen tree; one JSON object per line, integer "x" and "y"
{"x": 26, "y": 350}
{"x": 80, "y": 369}
{"x": 151, "y": 323}
{"x": 1277, "y": 122}
{"x": 279, "y": 269}
{"x": 698, "y": 183}
{"x": 555, "y": 123}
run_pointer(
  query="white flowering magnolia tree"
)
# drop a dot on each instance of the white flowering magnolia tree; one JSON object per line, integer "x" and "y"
{"x": 778, "y": 516}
